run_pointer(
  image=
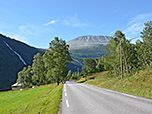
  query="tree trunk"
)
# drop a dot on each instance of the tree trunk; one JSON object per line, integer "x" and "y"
{"x": 126, "y": 64}
{"x": 121, "y": 60}
{"x": 58, "y": 82}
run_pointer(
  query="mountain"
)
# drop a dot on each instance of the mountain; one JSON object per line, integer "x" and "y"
{"x": 14, "y": 55}
{"x": 88, "y": 41}
{"x": 87, "y": 46}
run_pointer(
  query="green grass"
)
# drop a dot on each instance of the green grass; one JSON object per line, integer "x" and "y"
{"x": 40, "y": 100}
{"x": 139, "y": 84}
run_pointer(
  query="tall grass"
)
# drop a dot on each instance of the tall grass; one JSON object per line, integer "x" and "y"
{"x": 139, "y": 84}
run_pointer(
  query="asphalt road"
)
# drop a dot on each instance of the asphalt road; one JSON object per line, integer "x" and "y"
{"x": 85, "y": 99}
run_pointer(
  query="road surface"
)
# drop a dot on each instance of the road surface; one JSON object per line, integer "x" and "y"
{"x": 85, "y": 99}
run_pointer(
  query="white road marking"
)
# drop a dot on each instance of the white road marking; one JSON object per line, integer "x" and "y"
{"x": 129, "y": 95}
{"x": 67, "y": 103}
{"x": 65, "y": 94}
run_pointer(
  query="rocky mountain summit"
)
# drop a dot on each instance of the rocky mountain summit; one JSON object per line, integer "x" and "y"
{"x": 88, "y": 41}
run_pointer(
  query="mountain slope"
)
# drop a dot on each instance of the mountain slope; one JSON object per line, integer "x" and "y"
{"x": 88, "y": 41}
{"x": 12, "y": 55}
{"x": 139, "y": 84}
{"x": 87, "y": 46}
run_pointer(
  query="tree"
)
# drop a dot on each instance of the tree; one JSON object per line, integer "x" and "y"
{"x": 99, "y": 65}
{"x": 89, "y": 65}
{"x": 146, "y": 35}
{"x": 69, "y": 75}
{"x": 121, "y": 58}
{"x": 38, "y": 68}
{"x": 74, "y": 76}
{"x": 25, "y": 76}
{"x": 56, "y": 59}
{"x": 21, "y": 75}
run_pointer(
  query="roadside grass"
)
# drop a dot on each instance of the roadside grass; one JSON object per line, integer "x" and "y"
{"x": 139, "y": 84}
{"x": 40, "y": 100}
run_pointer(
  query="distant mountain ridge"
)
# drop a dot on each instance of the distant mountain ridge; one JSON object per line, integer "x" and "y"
{"x": 88, "y": 41}
{"x": 87, "y": 46}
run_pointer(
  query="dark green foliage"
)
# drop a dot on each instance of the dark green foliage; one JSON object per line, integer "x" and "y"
{"x": 135, "y": 57}
{"x": 10, "y": 64}
{"x": 74, "y": 76}
{"x": 79, "y": 54}
{"x": 69, "y": 75}
{"x": 99, "y": 65}
{"x": 25, "y": 76}
{"x": 89, "y": 66}
{"x": 56, "y": 59}
{"x": 39, "y": 72}
{"x": 93, "y": 52}
{"x": 51, "y": 67}
{"x": 146, "y": 35}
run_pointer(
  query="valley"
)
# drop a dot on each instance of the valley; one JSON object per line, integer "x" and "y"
{"x": 15, "y": 55}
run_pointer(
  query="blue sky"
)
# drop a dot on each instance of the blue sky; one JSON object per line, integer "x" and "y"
{"x": 37, "y": 22}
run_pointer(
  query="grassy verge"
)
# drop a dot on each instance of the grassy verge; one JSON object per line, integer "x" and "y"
{"x": 140, "y": 84}
{"x": 40, "y": 100}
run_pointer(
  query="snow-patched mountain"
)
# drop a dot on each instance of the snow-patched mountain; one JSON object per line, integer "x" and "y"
{"x": 88, "y": 41}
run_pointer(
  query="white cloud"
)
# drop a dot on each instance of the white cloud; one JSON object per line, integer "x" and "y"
{"x": 24, "y": 32}
{"x": 136, "y": 25}
{"x": 141, "y": 17}
{"x": 74, "y": 22}
{"x": 134, "y": 29}
{"x": 49, "y": 23}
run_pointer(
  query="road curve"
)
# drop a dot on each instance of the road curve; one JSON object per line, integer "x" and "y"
{"x": 85, "y": 99}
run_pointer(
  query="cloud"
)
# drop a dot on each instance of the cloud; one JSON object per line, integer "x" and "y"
{"x": 74, "y": 22}
{"x": 141, "y": 17}
{"x": 136, "y": 25}
{"x": 49, "y": 23}
{"x": 24, "y": 32}
{"x": 134, "y": 29}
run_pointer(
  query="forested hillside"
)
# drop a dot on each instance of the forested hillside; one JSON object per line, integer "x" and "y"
{"x": 124, "y": 58}
{"x": 11, "y": 54}
{"x": 15, "y": 55}
{"x": 85, "y": 47}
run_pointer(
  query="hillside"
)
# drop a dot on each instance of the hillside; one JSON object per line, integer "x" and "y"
{"x": 87, "y": 46}
{"x": 39, "y": 100}
{"x": 139, "y": 84}
{"x": 14, "y": 55}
